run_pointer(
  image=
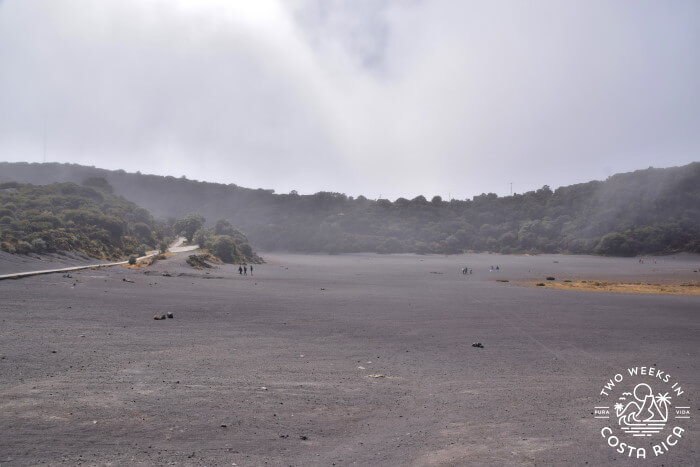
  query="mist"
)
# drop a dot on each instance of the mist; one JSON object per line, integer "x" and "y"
{"x": 379, "y": 98}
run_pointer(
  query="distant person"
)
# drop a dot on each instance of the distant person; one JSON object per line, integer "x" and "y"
{"x": 245, "y": 270}
{"x": 240, "y": 270}
{"x": 251, "y": 269}
{"x": 498, "y": 268}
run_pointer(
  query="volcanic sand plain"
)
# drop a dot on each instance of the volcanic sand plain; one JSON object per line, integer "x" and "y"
{"x": 335, "y": 360}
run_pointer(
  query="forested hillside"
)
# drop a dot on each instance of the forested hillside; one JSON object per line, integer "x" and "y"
{"x": 67, "y": 217}
{"x": 644, "y": 212}
{"x": 91, "y": 219}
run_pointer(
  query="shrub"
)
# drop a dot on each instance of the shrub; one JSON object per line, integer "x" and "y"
{"x": 23, "y": 247}
{"x": 616, "y": 244}
{"x": 38, "y": 245}
{"x": 132, "y": 260}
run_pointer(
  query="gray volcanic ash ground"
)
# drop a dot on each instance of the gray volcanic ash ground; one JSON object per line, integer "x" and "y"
{"x": 322, "y": 360}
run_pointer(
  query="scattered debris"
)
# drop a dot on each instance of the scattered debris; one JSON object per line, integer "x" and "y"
{"x": 166, "y": 274}
{"x": 223, "y": 425}
{"x": 159, "y": 317}
{"x": 435, "y": 272}
{"x": 263, "y": 388}
{"x": 478, "y": 345}
{"x": 550, "y": 278}
{"x": 53, "y": 351}
{"x": 378, "y": 375}
{"x": 303, "y": 437}
{"x": 170, "y": 315}
{"x": 322, "y": 288}
{"x": 361, "y": 368}
{"x": 284, "y": 436}
{"x": 68, "y": 276}
{"x": 127, "y": 280}
{"x": 199, "y": 261}
{"x": 502, "y": 280}
{"x": 540, "y": 284}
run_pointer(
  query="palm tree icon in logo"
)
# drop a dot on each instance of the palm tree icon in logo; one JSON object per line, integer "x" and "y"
{"x": 644, "y": 416}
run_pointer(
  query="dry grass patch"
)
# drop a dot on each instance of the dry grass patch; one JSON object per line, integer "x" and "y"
{"x": 144, "y": 263}
{"x": 689, "y": 288}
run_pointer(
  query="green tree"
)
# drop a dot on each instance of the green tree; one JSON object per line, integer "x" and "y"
{"x": 188, "y": 225}
{"x": 223, "y": 227}
{"x": 224, "y": 247}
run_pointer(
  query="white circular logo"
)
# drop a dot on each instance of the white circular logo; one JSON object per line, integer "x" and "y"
{"x": 642, "y": 403}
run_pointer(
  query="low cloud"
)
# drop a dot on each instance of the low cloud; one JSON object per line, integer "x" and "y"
{"x": 365, "y": 97}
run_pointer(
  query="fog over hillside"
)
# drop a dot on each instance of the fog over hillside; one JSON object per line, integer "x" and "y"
{"x": 647, "y": 211}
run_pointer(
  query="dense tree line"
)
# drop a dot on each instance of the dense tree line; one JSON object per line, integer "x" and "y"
{"x": 650, "y": 211}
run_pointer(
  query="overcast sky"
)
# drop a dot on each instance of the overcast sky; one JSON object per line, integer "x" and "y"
{"x": 391, "y": 98}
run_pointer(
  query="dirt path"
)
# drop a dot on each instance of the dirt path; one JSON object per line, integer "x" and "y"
{"x": 174, "y": 248}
